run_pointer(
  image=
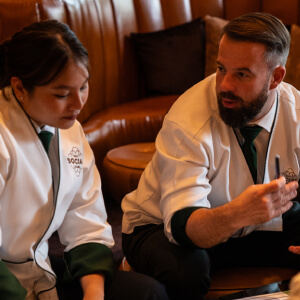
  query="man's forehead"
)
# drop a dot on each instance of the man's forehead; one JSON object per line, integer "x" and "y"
{"x": 238, "y": 45}
{"x": 240, "y": 54}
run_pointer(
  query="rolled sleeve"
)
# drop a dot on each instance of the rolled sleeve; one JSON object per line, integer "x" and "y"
{"x": 90, "y": 258}
{"x": 178, "y": 224}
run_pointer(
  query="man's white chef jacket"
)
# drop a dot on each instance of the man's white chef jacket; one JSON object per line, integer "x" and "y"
{"x": 199, "y": 162}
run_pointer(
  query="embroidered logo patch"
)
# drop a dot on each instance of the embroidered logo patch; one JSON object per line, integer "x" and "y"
{"x": 75, "y": 160}
{"x": 290, "y": 175}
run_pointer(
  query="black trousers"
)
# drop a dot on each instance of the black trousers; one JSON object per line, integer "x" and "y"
{"x": 185, "y": 272}
{"x": 125, "y": 286}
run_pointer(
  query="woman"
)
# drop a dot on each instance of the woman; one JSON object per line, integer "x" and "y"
{"x": 55, "y": 187}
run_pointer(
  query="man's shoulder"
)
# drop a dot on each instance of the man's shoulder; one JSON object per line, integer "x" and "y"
{"x": 196, "y": 106}
{"x": 289, "y": 94}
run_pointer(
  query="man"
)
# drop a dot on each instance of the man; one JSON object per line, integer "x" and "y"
{"x": 200, "y": 203}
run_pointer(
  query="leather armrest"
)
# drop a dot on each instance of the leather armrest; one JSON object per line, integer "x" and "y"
{"x": 132, "y": 122}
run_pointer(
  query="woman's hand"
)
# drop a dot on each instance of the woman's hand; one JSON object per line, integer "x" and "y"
{"x": 93, "y": 286}
{"x": 295, "y": 249}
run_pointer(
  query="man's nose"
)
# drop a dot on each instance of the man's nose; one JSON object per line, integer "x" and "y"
{"x": 227, "y": 83}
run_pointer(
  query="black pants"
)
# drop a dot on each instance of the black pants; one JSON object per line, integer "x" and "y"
{"x": 186, "y": 272}
{"x": 125, "y": 286}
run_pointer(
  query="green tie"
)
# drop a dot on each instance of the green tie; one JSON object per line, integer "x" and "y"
{"x": 45, "y": 137}
{"x": 249, "y": 150}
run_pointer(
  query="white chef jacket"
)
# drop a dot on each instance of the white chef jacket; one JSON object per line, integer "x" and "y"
{"x": 29, "y": 210}
{"x": 199, "y": 163}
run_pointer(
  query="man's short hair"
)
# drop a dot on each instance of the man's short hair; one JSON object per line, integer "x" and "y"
{"x": 264, "y": 29}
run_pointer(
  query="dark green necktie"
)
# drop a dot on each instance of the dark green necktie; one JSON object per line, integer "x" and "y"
{"x": 249, "y": 150}
{"x": 45, "y": 137}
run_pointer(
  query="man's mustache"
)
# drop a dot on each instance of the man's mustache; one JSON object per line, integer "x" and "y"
{"x": 230, "y": 96}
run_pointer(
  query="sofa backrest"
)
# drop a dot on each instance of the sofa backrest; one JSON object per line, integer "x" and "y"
{"x": 105, "y": 25}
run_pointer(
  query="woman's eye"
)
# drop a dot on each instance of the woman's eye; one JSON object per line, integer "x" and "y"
{"x": 60, "y": 96}
{"x": 83, "y": 87}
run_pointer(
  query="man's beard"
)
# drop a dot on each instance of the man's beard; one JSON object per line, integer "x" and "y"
{"x": 240, "y": 116}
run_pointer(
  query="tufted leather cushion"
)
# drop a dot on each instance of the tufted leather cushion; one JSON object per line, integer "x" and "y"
{"x": 213, "y": 29}
{"x": 123, "y": 167}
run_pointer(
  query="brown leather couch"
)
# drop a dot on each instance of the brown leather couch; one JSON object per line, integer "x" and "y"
{"x": 117, "y": 112}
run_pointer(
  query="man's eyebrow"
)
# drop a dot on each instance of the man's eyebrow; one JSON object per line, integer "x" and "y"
{"x": 244, "y": 69}
{"x": 219, "y": 63}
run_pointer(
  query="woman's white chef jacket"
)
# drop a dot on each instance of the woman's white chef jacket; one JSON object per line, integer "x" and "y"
{"x": 199, "y": 163}
{"x": 29, "y": 212}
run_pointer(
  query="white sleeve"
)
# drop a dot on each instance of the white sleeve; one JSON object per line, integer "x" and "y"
{"x": 4, "y": 170}
{"x": 184, "y": 164}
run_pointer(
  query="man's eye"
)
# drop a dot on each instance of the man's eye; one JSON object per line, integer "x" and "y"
{"x": 221, "y": 69}
{"x": 243, "y": 75}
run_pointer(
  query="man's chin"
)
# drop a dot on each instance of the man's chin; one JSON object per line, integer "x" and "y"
{"x": 233, "y": 117}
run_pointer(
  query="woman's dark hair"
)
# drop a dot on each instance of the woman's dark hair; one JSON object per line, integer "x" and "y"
{"x": 38, "y": 53}
{"x": 265, "y": 29}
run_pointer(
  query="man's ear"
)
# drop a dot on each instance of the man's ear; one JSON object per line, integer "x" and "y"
{"x": 277, "y": 77}
{"x": 18, "y": 88}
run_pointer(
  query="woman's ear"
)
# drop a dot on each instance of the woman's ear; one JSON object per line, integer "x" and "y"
{"x": 18, "y": 88}
{"x": 277, "y": 77}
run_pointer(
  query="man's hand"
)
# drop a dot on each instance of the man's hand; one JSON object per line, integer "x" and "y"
{"x": 263, "y": 202}
{"x": 93, "y": 287}
{"x": 256, "y": 205}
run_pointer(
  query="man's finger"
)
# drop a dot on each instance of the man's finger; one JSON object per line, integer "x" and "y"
{"x": 289, "y": 189}
{"x": 274, "y": 186}
{"x": 283, "y": 208}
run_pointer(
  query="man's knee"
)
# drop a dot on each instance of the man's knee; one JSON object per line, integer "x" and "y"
{"x": 132, "y": 285}
{"x": 183, "y": 271}
{"x": 189, "y": 278}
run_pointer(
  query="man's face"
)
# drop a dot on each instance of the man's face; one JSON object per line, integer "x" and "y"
{"x": 242, "y": 82}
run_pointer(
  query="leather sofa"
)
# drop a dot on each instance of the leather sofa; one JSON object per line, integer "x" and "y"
{"x": 118, "y": 111}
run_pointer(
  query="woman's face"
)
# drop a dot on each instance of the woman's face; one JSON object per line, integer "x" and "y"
{"x": 58, "y": 103}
